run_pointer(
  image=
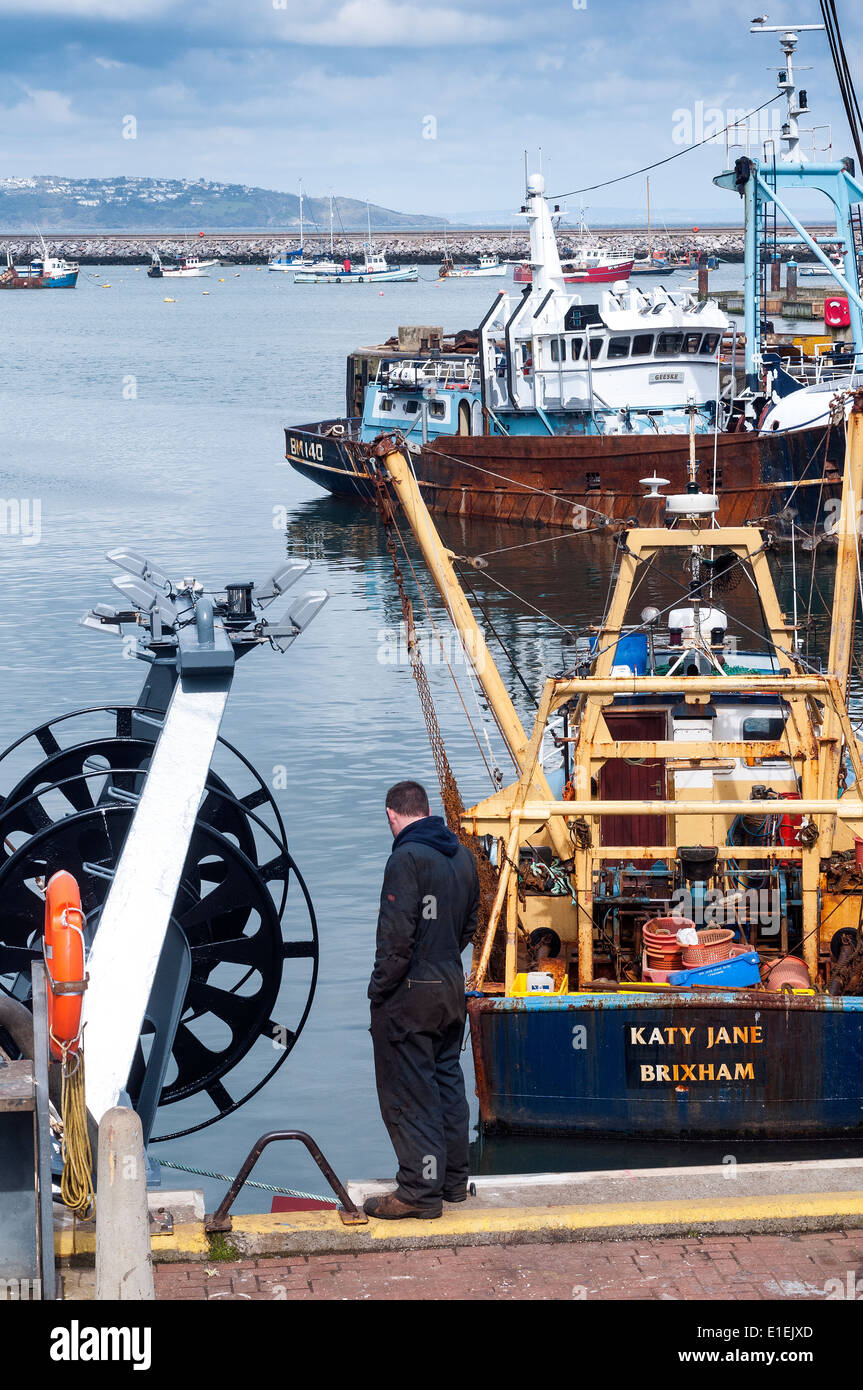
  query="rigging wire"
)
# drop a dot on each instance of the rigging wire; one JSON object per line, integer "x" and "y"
{"x": 843, "y": 75}
{"x": 471, "y": 669}
{"x": 440, "y": 641}
{"x": 709, "y": 139}
{"x": 467, "y": 584}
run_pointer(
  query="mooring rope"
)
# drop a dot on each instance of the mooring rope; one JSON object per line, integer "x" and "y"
{"x": 264, "y": 1186}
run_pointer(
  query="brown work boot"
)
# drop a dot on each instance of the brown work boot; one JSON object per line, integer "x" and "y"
{"x": 392, "y": 1208}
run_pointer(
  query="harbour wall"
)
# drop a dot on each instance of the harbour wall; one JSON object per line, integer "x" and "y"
{"x": 253, "y": 248}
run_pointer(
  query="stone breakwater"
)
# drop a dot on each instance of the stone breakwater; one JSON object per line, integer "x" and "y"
{"x": 413, "y": 248}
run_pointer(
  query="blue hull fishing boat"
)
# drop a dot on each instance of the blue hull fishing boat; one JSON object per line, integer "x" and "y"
{"x": 672, "y": 898}
{"x": 44, "y": 272}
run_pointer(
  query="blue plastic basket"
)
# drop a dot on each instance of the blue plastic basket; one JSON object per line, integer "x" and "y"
{"x": 737, "y": 970}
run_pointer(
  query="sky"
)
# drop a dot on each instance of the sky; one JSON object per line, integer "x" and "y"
{"x": 423, "y": 106}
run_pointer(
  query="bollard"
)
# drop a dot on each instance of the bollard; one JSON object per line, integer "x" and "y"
{"x": 776, "y": 274}
{"x": 124, "y": 1264}
{"x": 791, "y": 280}
{"x": 702, "y": 281}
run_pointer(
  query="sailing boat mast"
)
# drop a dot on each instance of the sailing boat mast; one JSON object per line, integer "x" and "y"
{"x": 332, "y": 248}
{"x": 649, "y": 251}
{"x": 302, "y": 243}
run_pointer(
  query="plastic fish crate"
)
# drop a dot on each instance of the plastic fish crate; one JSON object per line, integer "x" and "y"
{"x": 737, "y": 970}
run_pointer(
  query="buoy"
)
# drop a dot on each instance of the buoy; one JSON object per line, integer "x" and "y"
{"x": 170, "y": 301}
{"x": 64, "y": 962}
{"x": 221, "y": 279}
{"x": 380, "y": 292}
{"x": 106, "y": 287}
{"x": 205, "y": 291}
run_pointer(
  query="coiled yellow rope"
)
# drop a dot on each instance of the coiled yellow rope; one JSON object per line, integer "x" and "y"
{"x": 76, "y": 1185}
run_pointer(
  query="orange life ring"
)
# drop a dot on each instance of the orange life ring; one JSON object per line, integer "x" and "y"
{"x": 64, "y": 962}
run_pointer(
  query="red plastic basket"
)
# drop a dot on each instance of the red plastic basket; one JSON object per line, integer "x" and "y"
{"x": 713, "y": 945}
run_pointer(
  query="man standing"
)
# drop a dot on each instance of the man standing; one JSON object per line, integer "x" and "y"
{"x": 428, "y": 914}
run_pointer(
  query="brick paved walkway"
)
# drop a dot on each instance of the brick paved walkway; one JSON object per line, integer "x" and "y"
{"x": 739, "y": 1267}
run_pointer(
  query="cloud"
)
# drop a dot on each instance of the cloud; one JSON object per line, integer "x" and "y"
{"x": 44, "y": 107}
{"x": 109, "y": 63}
{"x": 119, "y": 11}
{"x": 395, "y": 24}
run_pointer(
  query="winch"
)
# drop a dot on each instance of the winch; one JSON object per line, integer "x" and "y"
{"x": 202, "y": 945}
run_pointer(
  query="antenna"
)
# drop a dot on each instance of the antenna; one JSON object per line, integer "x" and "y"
{"x": 785, "y": 81}
{"x": 654, "y": 483}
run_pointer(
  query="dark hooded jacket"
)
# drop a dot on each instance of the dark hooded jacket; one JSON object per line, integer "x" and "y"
{"x": 428, "y": 915}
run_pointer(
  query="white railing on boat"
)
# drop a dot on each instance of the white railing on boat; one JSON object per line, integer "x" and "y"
{"x": 415, "y": 374}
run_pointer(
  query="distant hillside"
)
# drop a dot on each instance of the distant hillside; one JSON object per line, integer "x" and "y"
{"x": 54, "y": 203}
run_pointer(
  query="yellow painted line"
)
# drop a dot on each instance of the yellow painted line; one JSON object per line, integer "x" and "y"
{"x": 499, "y": 1220}
{"x": 684, "y": 1213}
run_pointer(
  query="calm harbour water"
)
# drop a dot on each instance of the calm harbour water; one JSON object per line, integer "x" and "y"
{"x": 159, "y": 425}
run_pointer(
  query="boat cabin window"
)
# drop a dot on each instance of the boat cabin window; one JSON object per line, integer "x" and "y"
{"x": 558, "y": 349}
{"x": 642, "y": 345}
{"x": 437, "y": 409}
{"x": 692, "y": 342}
{"x": 575, "y": 346}
{"x": 709, "y": 343}
{"x": 595, "y": 348}
{"x": 411, "y": 407}
{"x": 578, "y": 316}
{"x": 669, "y": 343}
{"x": 385, "y": 403}
{"x": 593, "y": 481}
{"x": 618, "y": 347}
{"x": 766, "y": 727}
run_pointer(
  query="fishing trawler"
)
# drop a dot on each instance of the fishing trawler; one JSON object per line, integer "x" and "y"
{"x": 563, "y": 407}
{"x": 573, "y": 404}
{"x": 186, "y": 268}
{"x": 488, "y": 266}
{"x": 374, "y": 270}
{"x": 44, "y": 272}
{"x": 591, "y": 264}
{"x": 672, "y": 890}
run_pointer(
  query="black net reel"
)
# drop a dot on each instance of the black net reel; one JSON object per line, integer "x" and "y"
{"x": 253, "y": 944}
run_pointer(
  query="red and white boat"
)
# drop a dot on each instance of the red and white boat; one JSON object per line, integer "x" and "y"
{"x": 591, "y": 264}
{"x": 601, "y": 270}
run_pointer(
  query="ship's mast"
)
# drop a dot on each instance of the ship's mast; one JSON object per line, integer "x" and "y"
{"x": 790, "y": 135}
{"x": 544, "y": 253}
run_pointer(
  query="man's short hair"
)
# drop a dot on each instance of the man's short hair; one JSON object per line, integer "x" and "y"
{"x": 408, "y": 799}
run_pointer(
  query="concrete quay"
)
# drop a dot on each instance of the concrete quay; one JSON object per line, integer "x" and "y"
{"x": 787, "y": 1225}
